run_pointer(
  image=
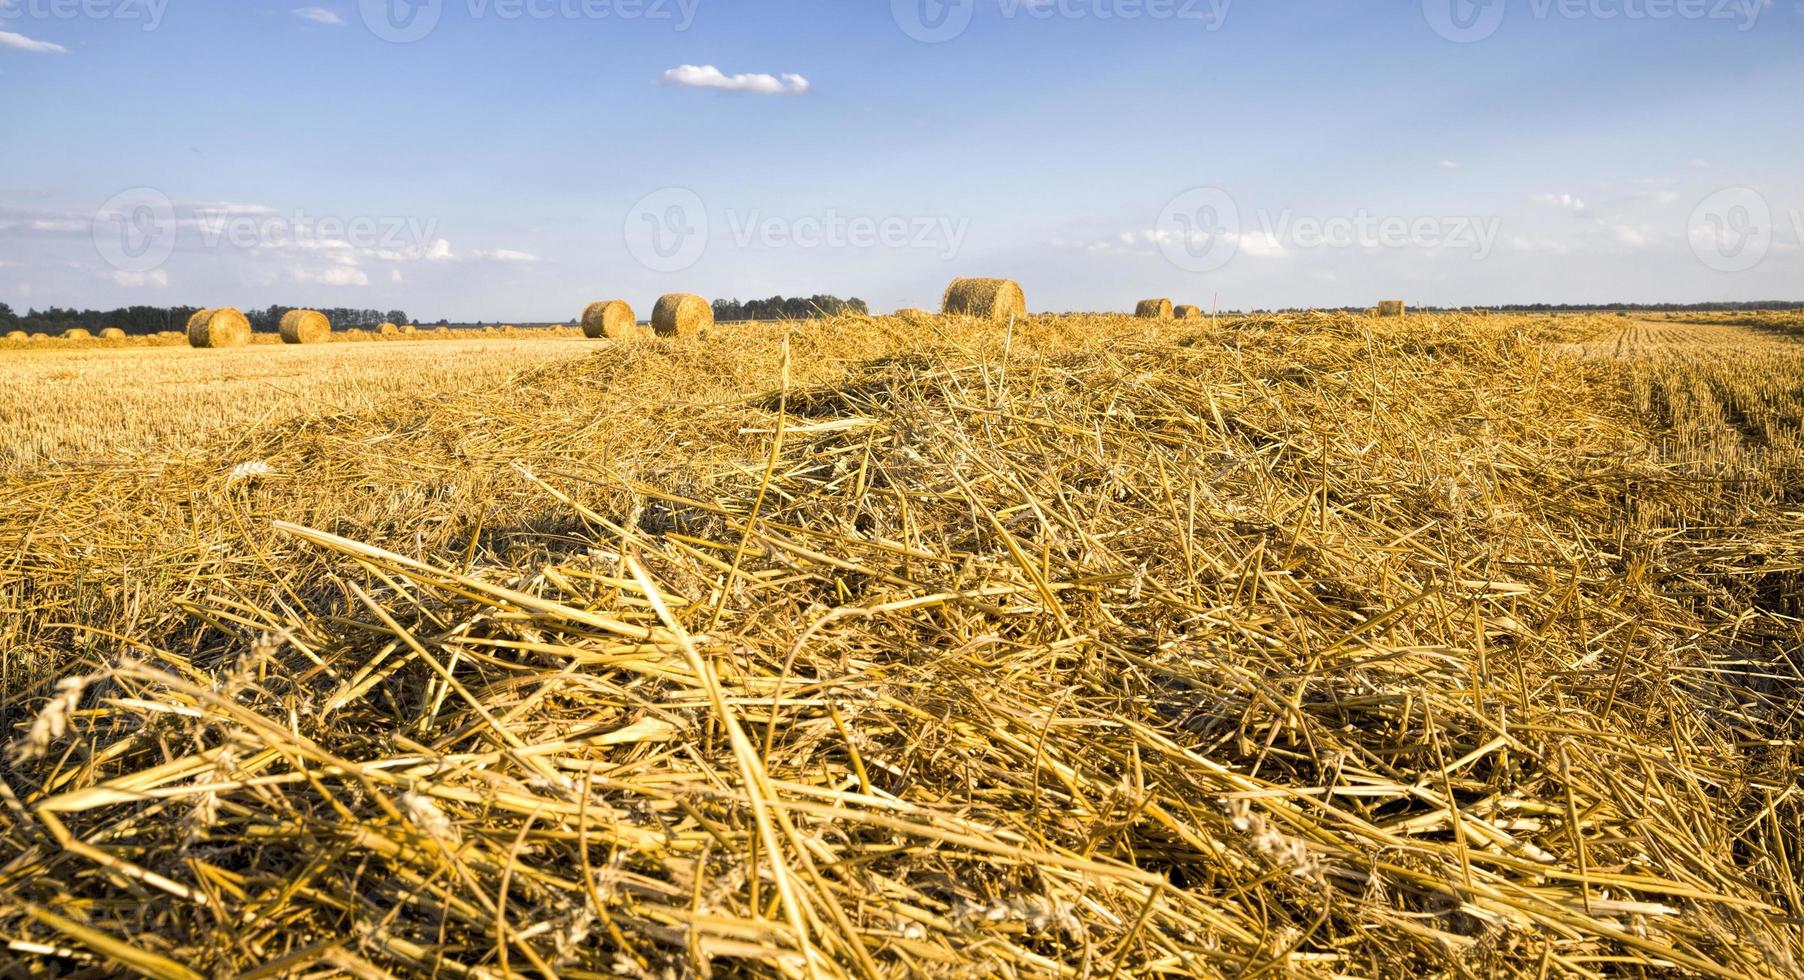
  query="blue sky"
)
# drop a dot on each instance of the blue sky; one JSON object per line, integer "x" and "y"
{"x": 526, "y": 156}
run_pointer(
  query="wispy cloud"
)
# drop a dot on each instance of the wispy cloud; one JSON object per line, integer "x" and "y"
{"x": 1449, "y": 164}
{"x": 154, "y": 279}
{"x": 19, "y": 42}
{"x": 331, "y": 276}
{"x": 708, "y": 76}
{"x": 319, "y": 15}
{"x": 507, "y": 255}
{"x": 1566, "y": 201}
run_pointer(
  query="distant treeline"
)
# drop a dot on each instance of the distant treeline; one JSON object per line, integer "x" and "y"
{"x": 787, "y": 308}
{"x": 155, "y": 319}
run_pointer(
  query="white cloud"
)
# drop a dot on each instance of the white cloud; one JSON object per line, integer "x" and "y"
{"x": 507, "y": 255}
{"x": 319, "y": 15}
{"x": 708, "y": 76}
{"x": 1449, "y": 164}
{"x": 342, "y": 275}
{"x": 20, "y": 42}
{"x": 1566, "y": 201}
{"x": 1262, "y": 245}
{"x": 155, "y": 278}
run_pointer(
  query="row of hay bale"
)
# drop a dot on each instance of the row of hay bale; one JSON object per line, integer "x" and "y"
{"x": 674, "y": 315}
{"x": 687, "y": 315}
{"x": 229, "y": 327}
{"x": 1162, "y": 309}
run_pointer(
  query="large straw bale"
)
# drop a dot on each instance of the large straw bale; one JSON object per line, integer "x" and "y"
{"x": 224, "y": 327}
{"x": 612, "y": 319}
{"x": 990, "y": 299}
{"x": 681, "y": 315}
{"x": 305, "y": 327}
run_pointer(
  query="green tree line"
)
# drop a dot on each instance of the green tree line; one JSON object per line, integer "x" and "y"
{"x": 155, "y": 319}
{"x": 787, "y": 308}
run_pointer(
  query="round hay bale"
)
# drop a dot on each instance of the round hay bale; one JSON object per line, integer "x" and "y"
{"x": 911, "y": 313}
{"x": 388, "y": 330}
{"x": 1187, "y": 312}
{"x": 611, "y": 319}
{"x": 305, "y": 327}
{"x": 17, "y": 335}
{"x": 76, "y": 333}
{"x": 681, "y": 315}
{"x": 224, "y": 327}
{"x": 990, "y": 299}
{"x": 195, "y": 319}
{"x": 1153, "y": 309}
{"x": 112, "y": 333}
{"x": 408, "y": 328}
{"x": 1391, "y": 307}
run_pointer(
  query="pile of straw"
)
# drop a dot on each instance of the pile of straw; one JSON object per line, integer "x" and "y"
{"x": 1301, "y": 646}
{"x": 612, "y": 319}
{"x": 305, "y": 327}
{"x": 988, "y": 299}
{"x": 225, "y": 327}
{"x": 681, "y": 315}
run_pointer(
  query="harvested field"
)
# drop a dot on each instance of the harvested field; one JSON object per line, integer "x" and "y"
{"x": 1313, "y": 645}
{"x": 105, "y": 406}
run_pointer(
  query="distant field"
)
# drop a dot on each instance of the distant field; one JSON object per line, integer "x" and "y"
{"x": 84, "y": 402}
